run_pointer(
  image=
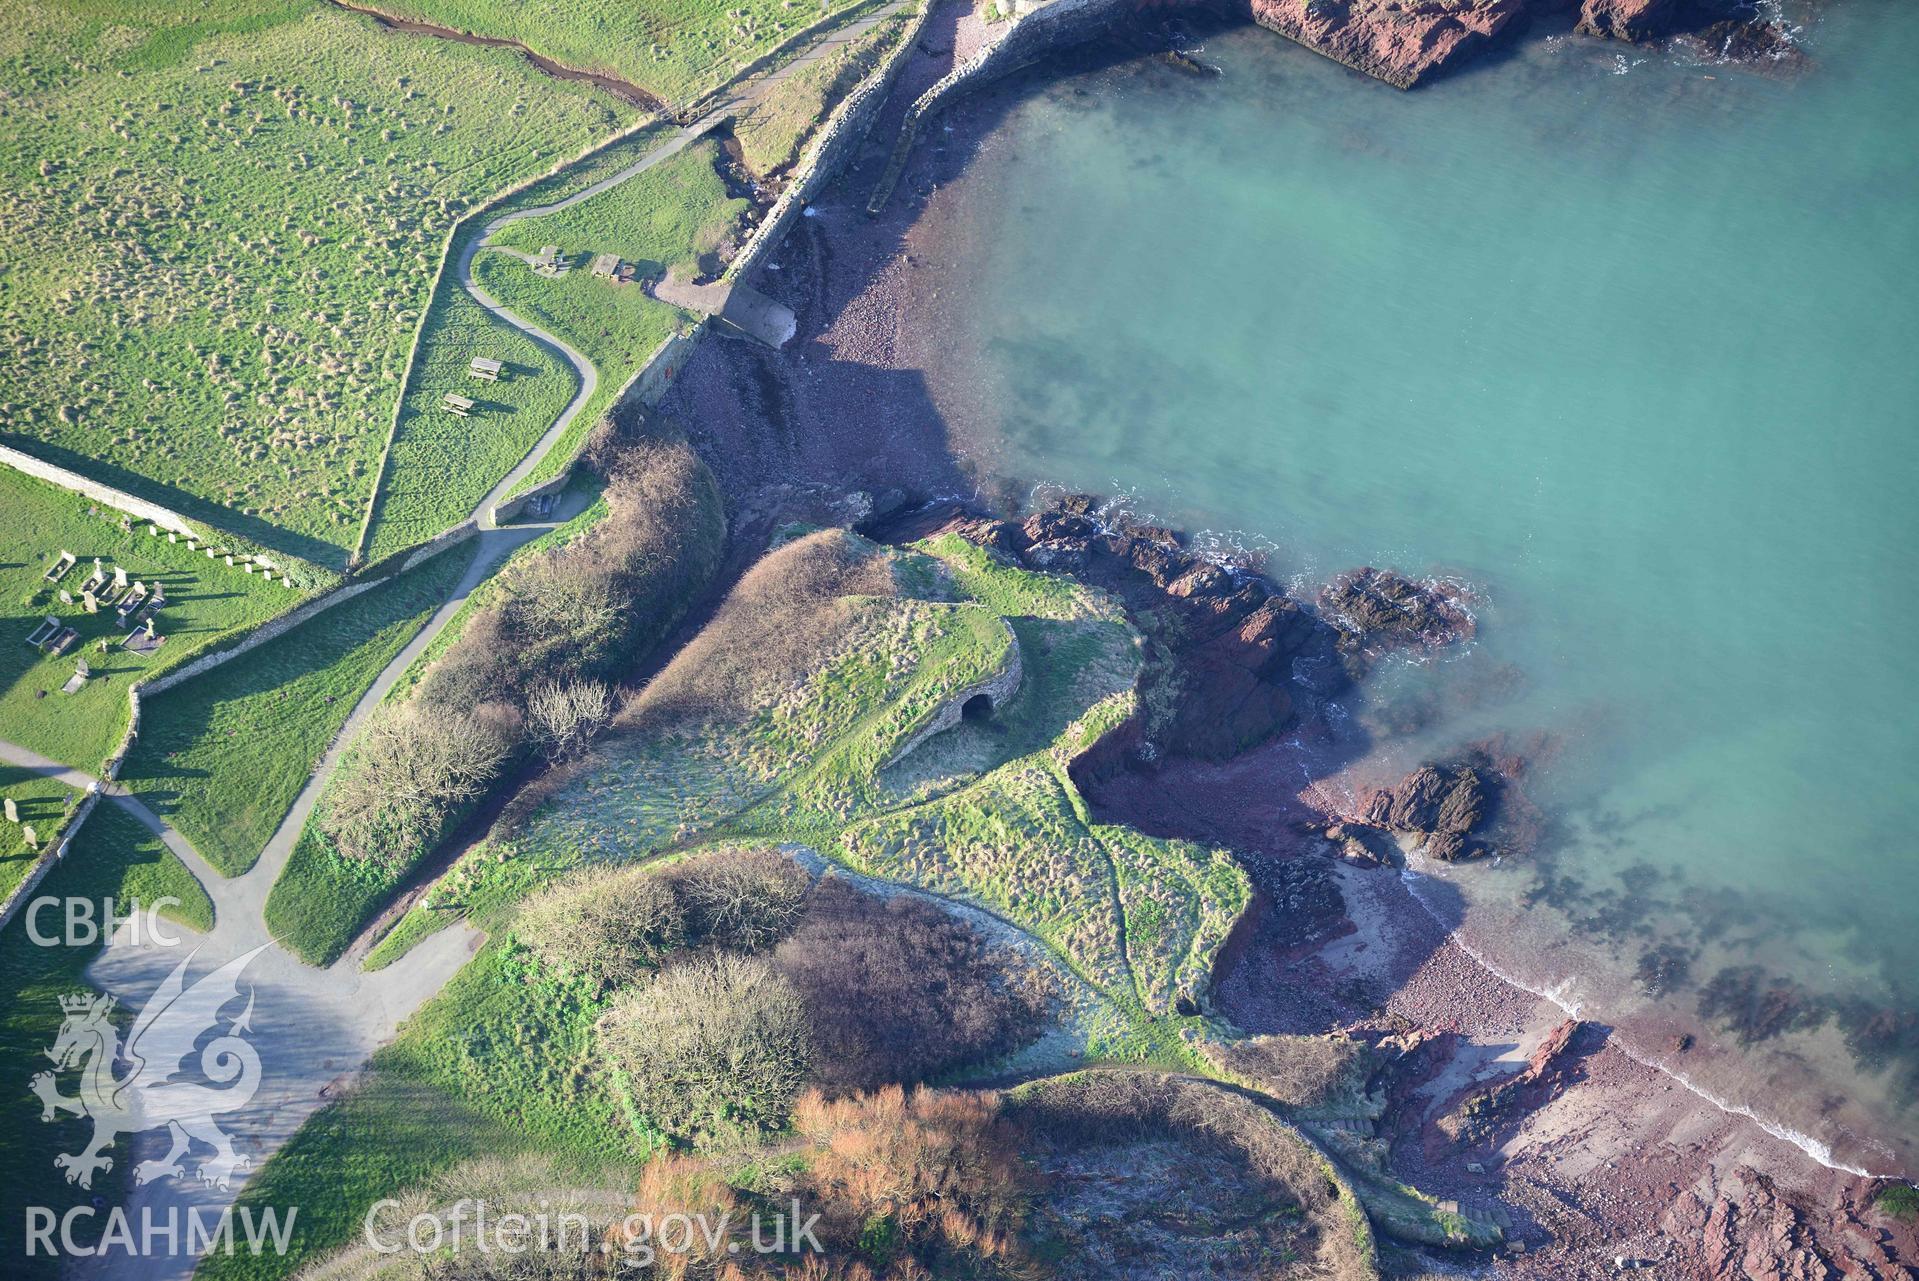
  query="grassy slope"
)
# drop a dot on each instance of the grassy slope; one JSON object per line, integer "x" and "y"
{"x": 112, "y": 855}
{"x": 772, "y": 130}
{"x": 43, "y": 804}
{"x": 224, "y": 756}
{"x": 442, "y": 464}
{"x": 205, "y": 598}
{"x": 673, "y": 215}
{"x": 322, "y": 899}
{"x": 983, "y": 813}
{"x": 505, "y": 1043}
{"x": 673, "y": 49}
{"x": 222, "y": 225}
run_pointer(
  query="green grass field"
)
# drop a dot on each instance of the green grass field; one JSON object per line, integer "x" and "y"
{"x": 442, "y": 464}
{"x": 205, "y": 600}
{"x": 223, "y": 756}
{"x": 113, "y": 856}
{"x": 44, "y": 804}
{"x": 676, "y": 214}
{"x": 673, "y": 49}
{"x": 222, "y": 226}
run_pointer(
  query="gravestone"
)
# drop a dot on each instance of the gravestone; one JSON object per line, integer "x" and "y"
{"x": 31, "y": 837}
{"x": 172, "y": 537}
{"x": 13, "y": 811}
{"x": 66, "y": 597}
{"x": 153, "y": 531}
{"x": 119, "y": 576}
{"x": 229, "y": 560}
{"x": 248, "y": 567}
{"x": 193, "y": 544}
{"x": 91, "y": 601}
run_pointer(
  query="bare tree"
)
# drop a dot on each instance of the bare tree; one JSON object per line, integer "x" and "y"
{"x": 563, "y": 716}
{"x": 714, "y": 1047}
{"x": 412, "y": 766}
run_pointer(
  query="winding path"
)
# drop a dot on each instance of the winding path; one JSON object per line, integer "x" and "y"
{"x": 315, "y": 1028}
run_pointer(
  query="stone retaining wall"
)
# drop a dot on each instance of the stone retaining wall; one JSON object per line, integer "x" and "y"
{"x": 53, "y": 473}
{"x": 1037, "y": 28}
{"x": 837, "y": 142}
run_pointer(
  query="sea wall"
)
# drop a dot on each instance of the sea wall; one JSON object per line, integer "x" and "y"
{"x": 1038, "y": 27}
{"x": 837, "y": 142}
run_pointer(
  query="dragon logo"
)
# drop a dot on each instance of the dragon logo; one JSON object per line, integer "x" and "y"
{"x": 147, "y": 1096}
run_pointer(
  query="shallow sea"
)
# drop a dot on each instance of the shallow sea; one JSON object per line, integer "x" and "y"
{"x": 1627, "y": 343}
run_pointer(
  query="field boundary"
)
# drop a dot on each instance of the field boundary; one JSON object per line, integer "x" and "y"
{"x": 98, "y": 491}
{"x": 447, "y": 256}
{"x": 271, "y": 629}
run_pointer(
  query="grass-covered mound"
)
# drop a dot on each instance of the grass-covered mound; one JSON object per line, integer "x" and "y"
{"x": 222, "y": 226}
{"x": 1103, "y": 1176}
{"x": 912, "y": 715}
{"x": 224, "y": 756}
{"x": 205, "y": 599}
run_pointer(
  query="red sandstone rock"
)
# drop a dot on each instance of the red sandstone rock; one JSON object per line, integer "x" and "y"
{"x": 1626, "y": 19}
{"x": 1399, "y": 41}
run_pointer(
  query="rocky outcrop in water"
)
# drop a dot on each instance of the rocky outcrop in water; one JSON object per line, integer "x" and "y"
{"x": 1380, "y": 609}
{"x": 1229, "y": 655}
{"x": 1444, "y": 805}
{"x": 1406, "y": 41}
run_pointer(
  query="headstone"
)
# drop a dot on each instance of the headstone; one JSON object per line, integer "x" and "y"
{"x": 83, "y": 669}
{"x": 153, "y": 531}
{"x": 149, "y": 627}
{"x": 31, "y": 837}
{"x": 119, "y": 576}
{"x": 193, "y": 544}
{"x": 229, "y": 560}
{"x": 248, "y": 567}
{"x": 91, "y": 601}
{"x": 66, "y": 597}
{"x": 172, "y": 537}
{"x": 211, "y": 553}
{"x": 13, "y": 811}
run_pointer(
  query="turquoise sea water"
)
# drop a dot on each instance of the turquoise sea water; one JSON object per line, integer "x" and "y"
{"x": 1629, "y": 345}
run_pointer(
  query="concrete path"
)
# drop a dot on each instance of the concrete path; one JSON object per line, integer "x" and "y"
{"x": 744, "y": 98}
{"x": 314, "y": 1029}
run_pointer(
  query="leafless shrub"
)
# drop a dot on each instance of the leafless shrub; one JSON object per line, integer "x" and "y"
{"x": 898, "y": 990}
{"x": 610, "y": 926}
{"x": 575, "y": 612}
{"x": 940, "y": 1169}
{"x": 742, "y": 900}
{"x": 714, "y": 1048}
{"x": 410, "y": 768}
{"x": 563, "y": 717}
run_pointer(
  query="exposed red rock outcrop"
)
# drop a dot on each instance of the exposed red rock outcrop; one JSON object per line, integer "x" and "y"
{"x": 1398, "y": 41}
